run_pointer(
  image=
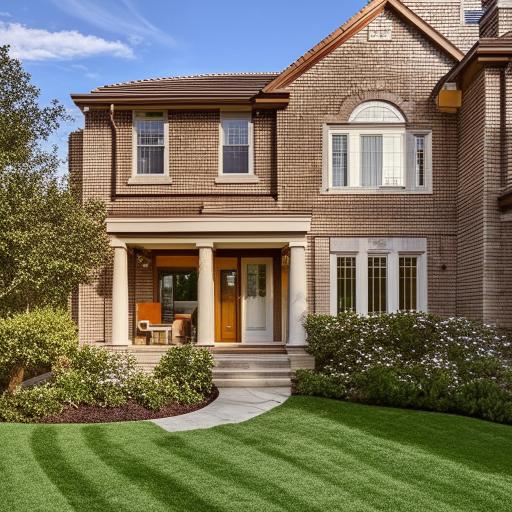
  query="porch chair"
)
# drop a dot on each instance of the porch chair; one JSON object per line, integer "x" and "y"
{"x": 149, "y": 321}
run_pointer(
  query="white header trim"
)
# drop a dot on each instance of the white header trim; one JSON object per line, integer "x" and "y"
{"x": 210, "y": 225}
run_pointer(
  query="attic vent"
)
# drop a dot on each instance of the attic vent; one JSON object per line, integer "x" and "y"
{"x": 472, "y": 16}
{"x": 380, "y": 29}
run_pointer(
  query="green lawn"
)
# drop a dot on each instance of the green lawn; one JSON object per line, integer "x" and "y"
{"x": 310, "y": 454}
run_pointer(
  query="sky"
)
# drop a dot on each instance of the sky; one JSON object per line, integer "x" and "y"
{"x": 76, "y": 45}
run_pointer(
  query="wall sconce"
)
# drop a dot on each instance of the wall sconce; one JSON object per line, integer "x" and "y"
{"x": 143, "y": 258}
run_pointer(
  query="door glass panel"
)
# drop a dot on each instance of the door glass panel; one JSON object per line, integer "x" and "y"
{"x": 256, "y": 292}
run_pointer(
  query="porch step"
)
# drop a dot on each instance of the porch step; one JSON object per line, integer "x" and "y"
{"x": 235, "y": 366}
{"x": 252, "y": 370}
{"x": 251, "y": 374}
{"x": 253, "y": 383}
{"x": 251, "y": 362}
{"x": 255, "y": 349}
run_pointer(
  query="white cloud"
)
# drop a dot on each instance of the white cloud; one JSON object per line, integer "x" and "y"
{"x": 120, "y": 18}
{"x": 5, "y": 14}
{"x": 39, "y": 44}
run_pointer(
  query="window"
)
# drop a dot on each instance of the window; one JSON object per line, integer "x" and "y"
{"x": 408, "y": 286}
{"x": 376, "y": 112}
{"x": 339, "y": 160}
{"x": 346, "y": 280}
{"x": 419, "y": 159}
{"x": 375, "y": 152}
{"x": 177, "y": 293}
{"x": 378, "y": 275}
{"x": 377, "y": 284}
{"x": 150, "y": 139}
{"x": 236, "y": 142}
{"x": 473, "y": 16}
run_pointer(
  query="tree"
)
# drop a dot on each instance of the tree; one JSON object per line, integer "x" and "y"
{"x": 49, "y": 241}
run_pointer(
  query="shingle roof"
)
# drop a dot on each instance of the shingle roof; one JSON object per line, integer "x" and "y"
{"x": 227, "y": 86}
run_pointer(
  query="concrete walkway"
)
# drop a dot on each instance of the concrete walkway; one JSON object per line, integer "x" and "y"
{"x": 233, "y": 405}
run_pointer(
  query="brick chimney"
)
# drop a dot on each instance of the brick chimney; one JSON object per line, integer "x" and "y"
{"x": 497, "y": 20}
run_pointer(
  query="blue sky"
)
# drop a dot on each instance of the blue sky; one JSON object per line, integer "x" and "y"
{"x": 76, "y": 45}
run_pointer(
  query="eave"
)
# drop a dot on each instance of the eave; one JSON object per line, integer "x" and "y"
{"x": 491, "y": 51}
{"x": 261, "y": 101}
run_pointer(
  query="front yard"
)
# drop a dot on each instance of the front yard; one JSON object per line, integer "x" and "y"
{"x": 310, "y": 454}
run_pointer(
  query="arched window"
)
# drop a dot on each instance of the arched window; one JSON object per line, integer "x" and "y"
{"x": 374, "y": 151}
{"x": 376, "y": 112}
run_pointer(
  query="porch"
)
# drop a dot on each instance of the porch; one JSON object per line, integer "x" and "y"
{"x": 231, "y": 284}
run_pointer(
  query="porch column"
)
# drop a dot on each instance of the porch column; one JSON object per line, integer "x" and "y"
{"x": 298, "y": 294}
{"x": 205, "y": 296}
{"x": 120, "y": 294}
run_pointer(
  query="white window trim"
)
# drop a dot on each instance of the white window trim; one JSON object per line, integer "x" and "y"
{"x": 150, "y": 179}
{"x": 243, "y": 177}
{"x": 393, "y": 249}
{"x": 353, "y": 133}
{"x": 411, "y": 166}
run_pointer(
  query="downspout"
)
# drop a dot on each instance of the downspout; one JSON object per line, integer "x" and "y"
{"x": 503, "y": 128}
{"x": 113, "y": 176}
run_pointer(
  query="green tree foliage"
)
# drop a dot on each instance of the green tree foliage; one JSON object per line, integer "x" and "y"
{"x": 49, "y": 241}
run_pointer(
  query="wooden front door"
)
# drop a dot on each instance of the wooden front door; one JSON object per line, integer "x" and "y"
{"x": 226, "y": 300}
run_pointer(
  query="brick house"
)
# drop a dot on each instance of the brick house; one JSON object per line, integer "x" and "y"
{"x": 371, "y": 174}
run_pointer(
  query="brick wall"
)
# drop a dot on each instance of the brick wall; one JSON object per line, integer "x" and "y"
{"x": 483, "y": 261}
{"x": 405, "y": 69}
{"x": 470, "y": 202}
{"x": 459, "y": 219}
{"x": 497, "y": 23}
{"x": 447, "y": 16}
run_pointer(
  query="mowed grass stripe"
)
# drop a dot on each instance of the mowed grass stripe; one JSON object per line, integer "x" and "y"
{"x": 310, "y": 454}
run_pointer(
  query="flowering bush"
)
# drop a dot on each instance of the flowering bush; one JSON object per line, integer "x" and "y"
{"x": 95, "y": 376}
{"x": 411, "y": 360}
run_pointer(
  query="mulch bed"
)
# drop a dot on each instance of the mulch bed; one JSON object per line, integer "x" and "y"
{"x": 128, "y": 412}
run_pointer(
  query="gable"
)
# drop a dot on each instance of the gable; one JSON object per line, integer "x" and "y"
{"x": 351, "y": 28}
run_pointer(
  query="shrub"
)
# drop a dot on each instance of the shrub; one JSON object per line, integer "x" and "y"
{"x": 32, "y": 339}
{"x": 94, "y": 376}
{"x": 188, "y": 367}
{"x": 411, "y": 360}
{"x": 310, "y": 383}
{"x": 27, "y": 404}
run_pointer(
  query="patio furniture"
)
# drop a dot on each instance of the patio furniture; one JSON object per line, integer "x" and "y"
{"x": 149, "y": 320}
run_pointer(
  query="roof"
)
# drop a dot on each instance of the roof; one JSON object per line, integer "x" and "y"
{"x": 264, "y": 89}
{"x": 494, "y": 50}
{"x": 213, "y": 88}
{"x": 354, "y": 25}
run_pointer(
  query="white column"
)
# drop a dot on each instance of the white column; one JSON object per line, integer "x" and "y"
{"x": 120, "y": 294}
{"x": 205, "y": 296}
{"x": 298, "y": 294}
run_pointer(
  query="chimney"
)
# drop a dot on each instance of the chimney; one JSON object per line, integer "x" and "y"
{"x": 497, "y": 18}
